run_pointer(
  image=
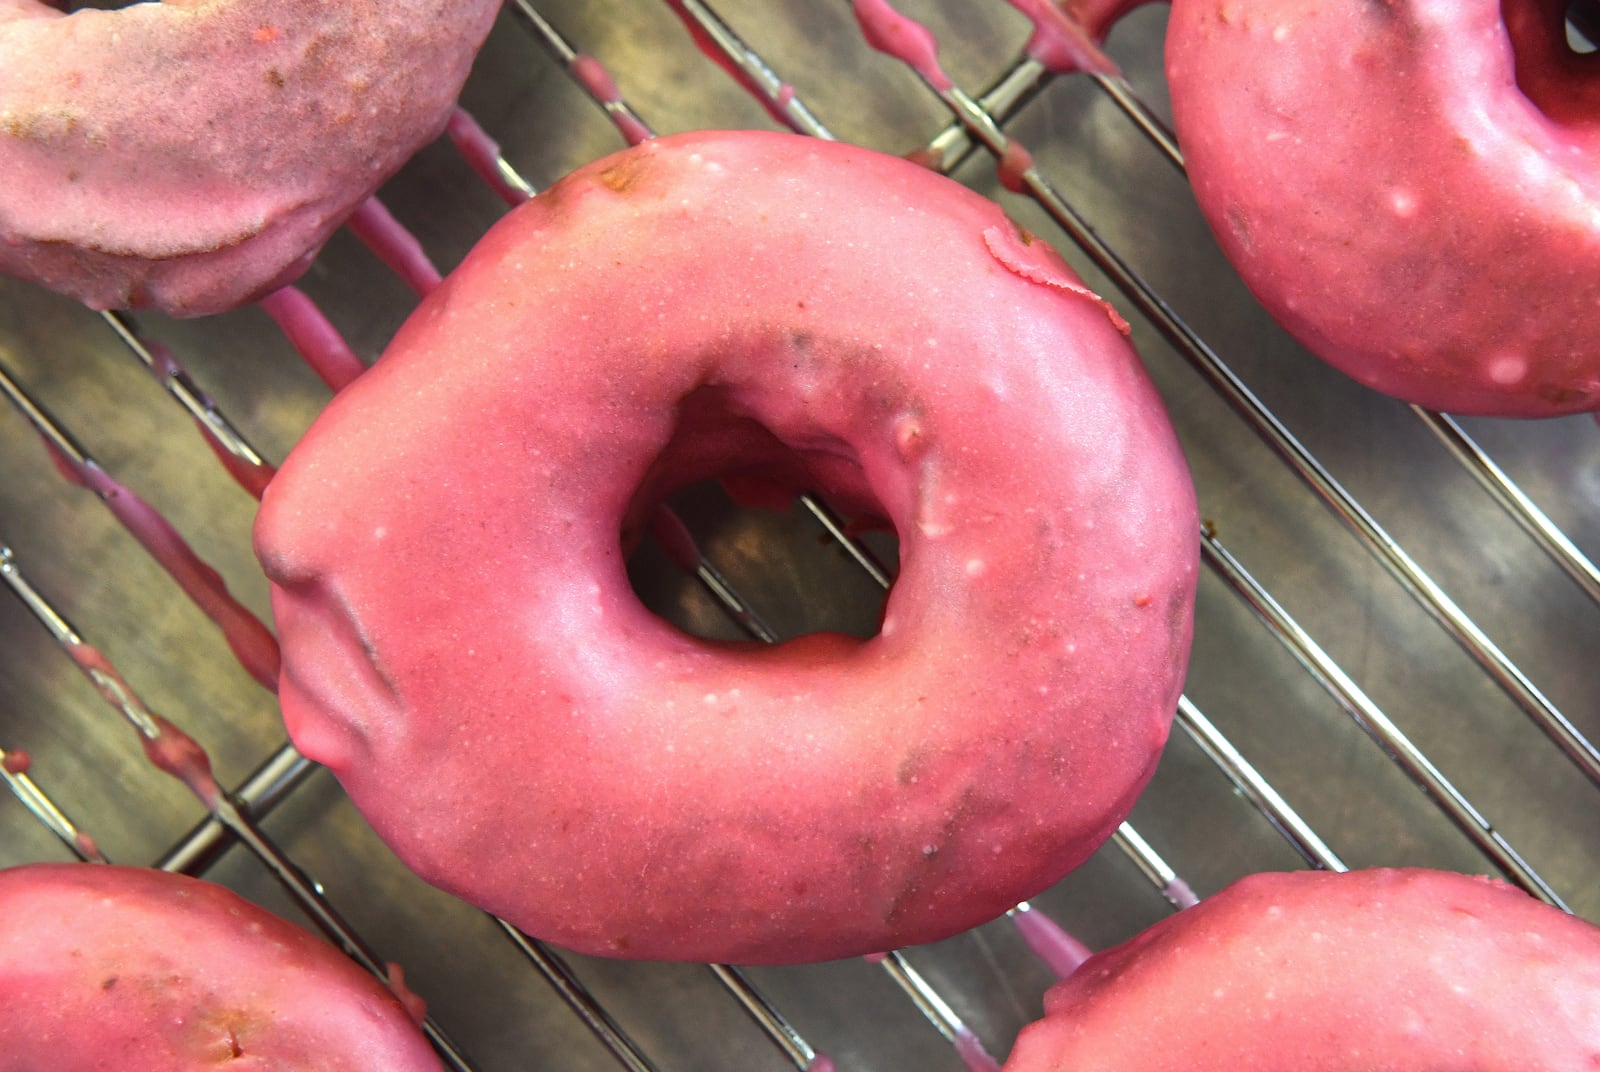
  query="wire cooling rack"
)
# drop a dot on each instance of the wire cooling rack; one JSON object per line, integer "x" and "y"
{"x": 1396, "y": 631}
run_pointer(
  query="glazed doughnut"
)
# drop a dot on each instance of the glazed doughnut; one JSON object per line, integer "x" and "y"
{"x": 1412, "y": 188}
{"x": 194, "y": 154}
{"x": 142, "y": 971}
{"x": 1406, "y": 971}
{"x": 462, "y": 647}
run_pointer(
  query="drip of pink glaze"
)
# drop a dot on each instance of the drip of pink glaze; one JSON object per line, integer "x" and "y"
{"x": 89, "y": 848}
{"x": 1096, "y": 17}
{"x": 675, "y": 539}
{"x": 16, "y": 761}
{"x": 178, "y": 754}
{"x": 314, "y": 336}
{"x": 1062, "y": 43}
{"x": 1015, "y": 163}
{"x": 170, "y": 749}
{"x": 1037, "y": 262}
{"x": 249, "y": 640}
{"x": 415, "y": 1007}
{"x": 379, "y": 231}
{"x": 875, "y": 958}
{"x": 709, "y": 48}
{"x": 1053, "y": 945}
{"x": 820, "y": 1063}
{"x": 253, "y": 478}
{"x": 593, "y": 76}
{"x": 905, "y": 39}
{"x": 1178, "y": 892}
{"x": 972, "y": 1053}
{"x": 482, "y": 154}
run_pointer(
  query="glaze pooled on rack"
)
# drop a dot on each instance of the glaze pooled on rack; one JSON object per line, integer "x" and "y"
{"x": 142, "y": 971}
{"x": 463, "y": 650}
{"x": 193, "y": 155}
{"x": 1400, "y": 970}
{"x": 1412, "y": 189}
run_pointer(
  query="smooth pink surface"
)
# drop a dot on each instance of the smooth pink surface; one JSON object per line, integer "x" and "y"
{"x": 462, "y": 647}
{"x": 195, "y": 154}
{"x": 1406, "y": 971}
{"x": 122, "y": 968}
{"x": 1411, "y": 189}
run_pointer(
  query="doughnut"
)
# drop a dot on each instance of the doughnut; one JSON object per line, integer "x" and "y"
{"x": 142, "y": 971}
{"x": 1411, "y": 188}
{"x": 194, "y": 154}
{"x": 1401, "y": 970}
{"x": 462, "y": 648}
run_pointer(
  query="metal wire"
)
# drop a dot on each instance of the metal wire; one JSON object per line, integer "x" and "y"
{"x": 284, "y": 770}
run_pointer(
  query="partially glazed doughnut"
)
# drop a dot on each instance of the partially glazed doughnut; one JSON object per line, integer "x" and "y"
{"x": 1412, "y": 188}
{"x": 193, "y": 154}
{"x": 1406, "y": 971}
{"x": 141, "y": 971}
{"x": 462, "y": 648}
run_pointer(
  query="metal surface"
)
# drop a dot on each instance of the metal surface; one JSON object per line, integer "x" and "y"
{"x": 1274, "y": 750}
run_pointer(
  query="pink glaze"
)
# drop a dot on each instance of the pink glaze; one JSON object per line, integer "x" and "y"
{"x": 176, "y": 753}
{"x": 395, "y": 978}
{"x": 1406, "y": 971}
{"x": 170, "y": 749}
{"x": 1096, "y": 17}
{"x": 1061, "y": 42}
{"x": 1178, "y": 892}
{"x": 396, "y": 247}
{"x": 675, "y": 539}
{"x": 1411, "y": 188}
{"x": 88, "y": 848}
{"x": 1015, "y": 163}
{"x": 775, "y": 106}
{"x": 970, "y": 1049}
{"x": 463, "y": 649}
{"x": 1050, "y": 943}
{"x": 905, "y": 39}
{"x": 820, "y": 1063}
{"x": 249, "y": 640}
{"x": 314, "y": 336}
{"x": 482, "y": 154}
{"x": 107, "y": 967}
{"x": 253, "y": 478}
{"x": 192, "y": 156}
{"x": 597, "y": 81}
{"x": 16, "y": 761}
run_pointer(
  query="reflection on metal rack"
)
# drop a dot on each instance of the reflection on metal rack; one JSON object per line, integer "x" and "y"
{"x": 979, "y": 122}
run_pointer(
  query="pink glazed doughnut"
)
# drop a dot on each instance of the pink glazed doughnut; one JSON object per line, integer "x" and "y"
{"x": 141, "y": 971}
{"x": 1406, "y": 971}
{"x": 463, "y": 649}
{"x": 194, "y": 154}
{"x": 1412, "y": 188}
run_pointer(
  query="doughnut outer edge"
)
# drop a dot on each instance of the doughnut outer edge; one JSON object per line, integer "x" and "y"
{"x": 1404, "y": 970}
{"x": 1411, "y": 188}
{"x": 463, "y": 649}
{"x": 192, "y": 155}
{"x": 143, "y": 971}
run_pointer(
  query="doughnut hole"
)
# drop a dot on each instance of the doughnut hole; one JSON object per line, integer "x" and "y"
{"x": 1555, "y": 69}
{"x": 1583, "y": 26}
{"x": 742, "y": 514}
